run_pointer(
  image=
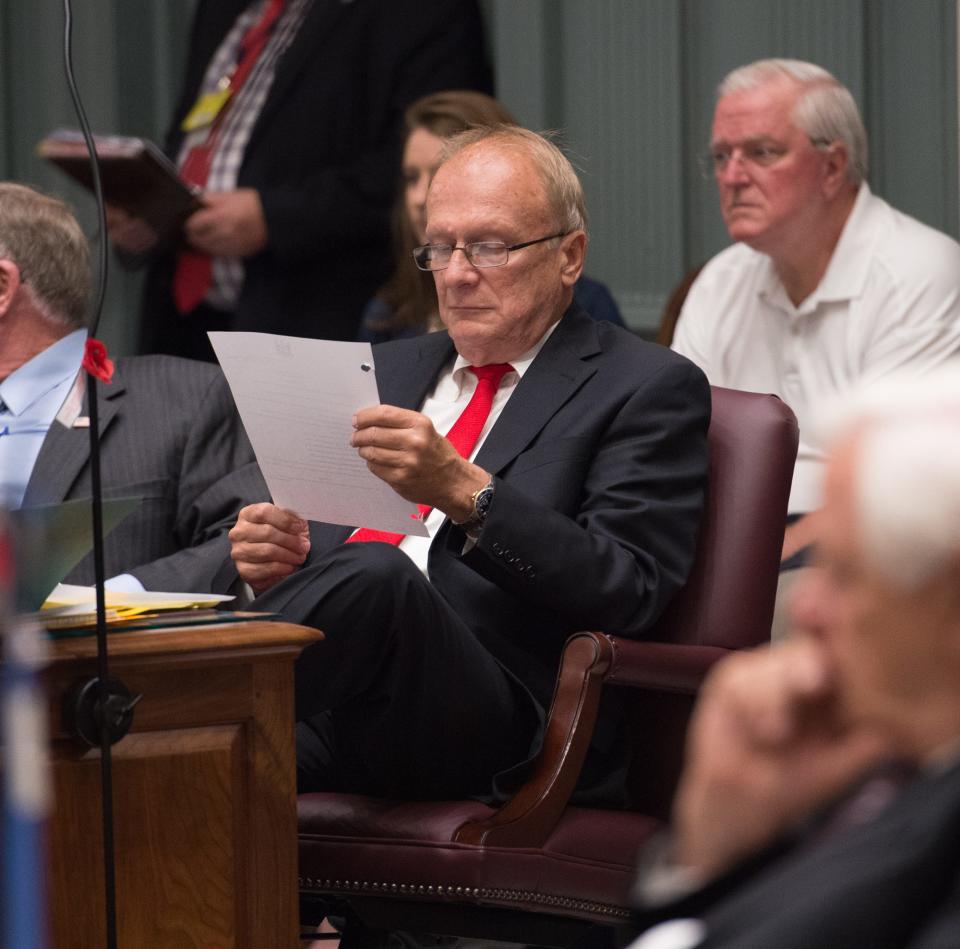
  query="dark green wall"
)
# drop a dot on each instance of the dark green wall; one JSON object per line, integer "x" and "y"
{"x": 630, "y": 83}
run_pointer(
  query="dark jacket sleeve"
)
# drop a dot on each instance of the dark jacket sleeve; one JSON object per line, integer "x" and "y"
{"x": 216, "y": 475}
{"x": 629, "y": 545}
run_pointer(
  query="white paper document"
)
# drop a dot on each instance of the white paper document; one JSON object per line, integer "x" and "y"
{"x": 68, "y": 597}
{"x": 297, "y": 398}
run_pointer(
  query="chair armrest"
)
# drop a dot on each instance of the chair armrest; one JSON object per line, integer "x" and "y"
{"x": 666, "y": 667}
{"x": 589, "y": 661}
{"x": 528, "y": 818}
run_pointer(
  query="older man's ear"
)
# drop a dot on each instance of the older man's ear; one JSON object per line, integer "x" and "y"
{"x": 836, "y": 162}
{"x": 574, "y": 247}
{"x": 10, "y": 282}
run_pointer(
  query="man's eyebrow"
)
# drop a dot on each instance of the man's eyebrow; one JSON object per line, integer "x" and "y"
{"x": 747, "y": 142}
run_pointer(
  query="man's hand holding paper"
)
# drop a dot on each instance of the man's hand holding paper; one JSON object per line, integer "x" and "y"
{"x": 403, "y": 448}
{"x": 267, "y": 544}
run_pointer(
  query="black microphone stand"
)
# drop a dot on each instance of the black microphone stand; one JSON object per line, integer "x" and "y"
{"x": 100, "y": 710}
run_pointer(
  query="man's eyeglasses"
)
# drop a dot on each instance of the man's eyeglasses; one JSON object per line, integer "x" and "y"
{"x": 758, "y": 154}
{"x": 479, "y": 253}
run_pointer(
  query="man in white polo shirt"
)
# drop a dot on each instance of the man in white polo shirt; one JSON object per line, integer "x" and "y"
{"x": 827, "y": 284}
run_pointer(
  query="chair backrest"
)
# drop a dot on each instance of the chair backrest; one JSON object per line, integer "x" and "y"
{"x": 729, "y": 597}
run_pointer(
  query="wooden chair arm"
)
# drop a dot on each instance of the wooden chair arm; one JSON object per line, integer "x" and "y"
{"x": 589, "y": 661}
{"x": 528, "y": 818}
{"x": 665, "y": 667}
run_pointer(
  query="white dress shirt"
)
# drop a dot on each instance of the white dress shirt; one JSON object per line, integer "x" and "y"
{"x": 443, "y": 406}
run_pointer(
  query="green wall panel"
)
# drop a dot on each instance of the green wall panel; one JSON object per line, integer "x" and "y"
{"x": 628, "y": 82}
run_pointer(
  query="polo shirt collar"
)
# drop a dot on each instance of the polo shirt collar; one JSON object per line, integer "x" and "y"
{"x": 852, "y": 257}
{"x": 849, "y": 264}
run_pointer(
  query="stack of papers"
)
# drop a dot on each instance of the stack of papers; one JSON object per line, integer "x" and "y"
{"x": 74, "y": 607}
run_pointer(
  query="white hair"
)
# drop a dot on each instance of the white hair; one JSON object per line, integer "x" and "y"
{"x": 907, "y": 481}
{"x": 825, "y": 111}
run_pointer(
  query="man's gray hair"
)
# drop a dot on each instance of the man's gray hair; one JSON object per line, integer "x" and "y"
{"x": 907, "y": 479}
{"x": 560, "y": 181}
{"x": 42, "y": 237}
{"x": 825, "y": 110}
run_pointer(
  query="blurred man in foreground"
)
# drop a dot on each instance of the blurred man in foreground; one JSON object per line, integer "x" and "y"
{"x": 820, "y": 805}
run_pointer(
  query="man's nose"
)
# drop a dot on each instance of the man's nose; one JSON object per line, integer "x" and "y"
{"x": 734, "y": 172}
{"x": 460, "y": 267}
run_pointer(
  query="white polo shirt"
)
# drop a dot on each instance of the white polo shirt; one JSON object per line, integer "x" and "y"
{"x": 890, "y": 299}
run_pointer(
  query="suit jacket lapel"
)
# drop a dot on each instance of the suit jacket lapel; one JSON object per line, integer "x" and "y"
{"x": 66, "y": 451}
{"x": 559, "y": 370}
{"x": 406, "y": 373}
{"x": 408, "y": 370}
{"x": 315, "y": 30}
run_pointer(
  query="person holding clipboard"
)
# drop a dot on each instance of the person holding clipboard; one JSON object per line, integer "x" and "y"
{"x": 289, "y": 125}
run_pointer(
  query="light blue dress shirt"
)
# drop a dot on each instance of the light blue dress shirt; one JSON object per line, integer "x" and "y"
{"x": 32, "y": 397}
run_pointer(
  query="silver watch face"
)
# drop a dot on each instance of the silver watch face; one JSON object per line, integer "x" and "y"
{"x": 483, "y": 502}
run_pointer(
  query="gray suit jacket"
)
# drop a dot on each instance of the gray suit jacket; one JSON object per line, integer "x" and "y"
{"x": 170, "y": 435}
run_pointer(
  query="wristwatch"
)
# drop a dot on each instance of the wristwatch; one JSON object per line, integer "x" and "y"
{"x": 481, "y": 501}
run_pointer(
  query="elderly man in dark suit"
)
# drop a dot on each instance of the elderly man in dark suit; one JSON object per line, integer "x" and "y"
{"x": 821, "y": 800}
{"x": 577, "y": 506}
{"x": 169, "y": 431}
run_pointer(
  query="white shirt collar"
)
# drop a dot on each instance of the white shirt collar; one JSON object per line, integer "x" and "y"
{"x": 520, "y": 366}
{"x": 849, "y": 263}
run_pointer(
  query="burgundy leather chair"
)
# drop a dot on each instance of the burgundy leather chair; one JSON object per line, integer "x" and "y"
{"x": 538, "y": 870}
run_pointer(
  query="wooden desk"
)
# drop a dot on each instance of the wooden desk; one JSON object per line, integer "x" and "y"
{"x": 203, "y": 787}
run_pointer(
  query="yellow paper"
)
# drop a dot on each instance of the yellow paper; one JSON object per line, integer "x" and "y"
{"x": 130, "y": 603}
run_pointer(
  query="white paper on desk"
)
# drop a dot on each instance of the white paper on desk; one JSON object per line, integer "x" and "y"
{"x": 297, "y": 398}
{"x": 68, "y": 597}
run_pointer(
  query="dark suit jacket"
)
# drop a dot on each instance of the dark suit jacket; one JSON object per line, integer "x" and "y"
{"x": 324, "y": 154}
{"x": 891, "y": 883}
{"x": 600, "y": 465}
{"x": 170, "y": 434}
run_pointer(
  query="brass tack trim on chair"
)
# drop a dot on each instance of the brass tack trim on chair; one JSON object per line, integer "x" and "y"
{"x": 309, "y": 884}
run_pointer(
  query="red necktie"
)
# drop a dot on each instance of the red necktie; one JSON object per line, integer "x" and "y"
{"x": 194, "y": 272}
{"x": 463, "y": 435}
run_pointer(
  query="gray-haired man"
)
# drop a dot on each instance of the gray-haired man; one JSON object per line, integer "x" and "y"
{"x": 827, "y": 284}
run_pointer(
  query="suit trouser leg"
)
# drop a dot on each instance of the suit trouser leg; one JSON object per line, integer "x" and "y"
{"x": 400, "y": 697}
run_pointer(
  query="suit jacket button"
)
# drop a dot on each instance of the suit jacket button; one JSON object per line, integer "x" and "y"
{"x": 497, "y": 549}
{"x": 529, "y": 572}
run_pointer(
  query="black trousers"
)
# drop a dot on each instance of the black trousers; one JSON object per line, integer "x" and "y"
{"x": 400, "y": 699}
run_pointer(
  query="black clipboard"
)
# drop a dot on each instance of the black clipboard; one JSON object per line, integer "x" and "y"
{"x": 135, "y": 175}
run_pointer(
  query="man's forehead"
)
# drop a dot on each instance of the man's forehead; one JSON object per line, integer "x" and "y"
{"x": 762, "y": 110}
{"x": 502, "y": 182}
{"x": 486, "y": 164}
